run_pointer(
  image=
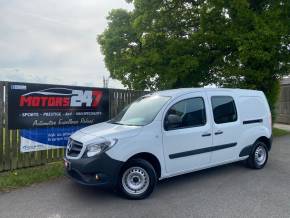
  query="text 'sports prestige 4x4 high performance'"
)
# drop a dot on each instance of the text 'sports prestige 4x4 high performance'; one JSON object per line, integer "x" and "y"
{"x": 169, "y": 133}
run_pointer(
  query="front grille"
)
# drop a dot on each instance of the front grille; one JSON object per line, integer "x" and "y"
{"x": 74, "y": 148}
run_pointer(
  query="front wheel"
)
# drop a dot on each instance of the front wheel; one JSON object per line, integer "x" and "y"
{"x": 259, "y": 156}
{"x": 137, "y": 180}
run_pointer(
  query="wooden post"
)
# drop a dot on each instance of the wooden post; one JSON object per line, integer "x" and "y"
{"x": 20, "y": 155}
{"x": 1, "y": 125}
{"x": 7, "y": 143}
{"x": 14, "y": 150}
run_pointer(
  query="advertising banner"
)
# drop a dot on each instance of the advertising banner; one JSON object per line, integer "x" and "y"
{"x": 36, "y": 106}
{"x": 48, "y": 114}
{"x": 45, "y": 138}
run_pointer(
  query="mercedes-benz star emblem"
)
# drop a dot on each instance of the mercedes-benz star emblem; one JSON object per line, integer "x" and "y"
{"x": 69, "y": 146}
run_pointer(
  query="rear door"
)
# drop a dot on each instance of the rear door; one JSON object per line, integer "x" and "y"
{"x": 186, "y": 144}
{"x": 226, "y": 126}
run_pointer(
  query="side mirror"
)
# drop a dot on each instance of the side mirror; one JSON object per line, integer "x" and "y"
{"x": 173, "y": 121}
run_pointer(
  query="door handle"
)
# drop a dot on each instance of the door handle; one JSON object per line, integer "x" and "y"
{"x": 218, "y": 132}
{"x": 206, "y": 134}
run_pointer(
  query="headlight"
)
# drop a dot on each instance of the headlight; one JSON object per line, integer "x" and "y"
{"x": 94, "y": 149}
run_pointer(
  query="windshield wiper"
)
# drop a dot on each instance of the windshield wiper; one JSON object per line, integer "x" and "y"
{"x": 125, "y": 124}
{"x": 117, "y": 123}
{"x": 133, "y": 125}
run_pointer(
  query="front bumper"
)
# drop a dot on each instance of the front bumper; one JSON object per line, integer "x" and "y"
{"x": 84, "y": 170}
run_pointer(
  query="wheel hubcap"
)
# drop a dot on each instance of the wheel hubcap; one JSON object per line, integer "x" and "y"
{"x": 135, "y": 180}
{"x": 260, "y": 155}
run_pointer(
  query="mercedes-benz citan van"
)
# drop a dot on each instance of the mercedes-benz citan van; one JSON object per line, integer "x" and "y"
{"x": 170, "y": 133}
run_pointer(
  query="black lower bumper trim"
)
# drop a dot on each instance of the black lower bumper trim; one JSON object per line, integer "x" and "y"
{"x": 84, "y": 170}
{"x": 246, "y": 151}
{"x": 270, "y": 142}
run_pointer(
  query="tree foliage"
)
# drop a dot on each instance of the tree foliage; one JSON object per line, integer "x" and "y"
{"x": 189, "y": 43}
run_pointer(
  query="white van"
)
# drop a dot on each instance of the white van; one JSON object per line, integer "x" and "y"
{"x": 169, "y": 133}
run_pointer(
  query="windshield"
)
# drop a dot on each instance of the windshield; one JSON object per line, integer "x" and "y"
{"x": 141, "y": 112}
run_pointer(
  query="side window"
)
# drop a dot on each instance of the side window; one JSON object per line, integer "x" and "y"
{"x": 186, "y": 113}
{"x": 224, "y": 109}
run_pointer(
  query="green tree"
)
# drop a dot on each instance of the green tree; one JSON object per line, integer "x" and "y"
{"x": 254, "y": 37}
{"x": 185, "y": 43}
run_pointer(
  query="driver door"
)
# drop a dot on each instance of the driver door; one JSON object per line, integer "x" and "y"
{"x": 187, "y": 143}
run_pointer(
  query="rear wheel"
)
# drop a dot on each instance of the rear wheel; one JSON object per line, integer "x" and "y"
{"x": 259, "y": 156}
{"x": 137, "y": 180}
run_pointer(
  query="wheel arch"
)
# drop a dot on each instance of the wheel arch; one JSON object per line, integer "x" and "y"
{"x": 267, "y": 141}
{"x": 248, "y": 149}
{"x": 151, "y": 158}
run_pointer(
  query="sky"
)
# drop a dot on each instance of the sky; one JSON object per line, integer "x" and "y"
{"x": 54, "y": 41}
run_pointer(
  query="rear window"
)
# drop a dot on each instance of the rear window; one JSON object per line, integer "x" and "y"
{"x": 224, "y": 109}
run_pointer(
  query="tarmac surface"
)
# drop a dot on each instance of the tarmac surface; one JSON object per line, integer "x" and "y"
{"x": 227, "y": 191}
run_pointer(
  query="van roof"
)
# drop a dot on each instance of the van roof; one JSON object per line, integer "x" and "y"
{"x": 182, "y": 91}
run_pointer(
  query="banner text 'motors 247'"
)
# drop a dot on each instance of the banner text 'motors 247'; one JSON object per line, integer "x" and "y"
{"x": 40, "y": 105}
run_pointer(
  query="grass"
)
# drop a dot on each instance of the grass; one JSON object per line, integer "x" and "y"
{"x": 29, "y": 176}
{"x": 279, "y": 132}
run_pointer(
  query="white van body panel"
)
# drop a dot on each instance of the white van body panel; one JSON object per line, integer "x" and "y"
{"x": 111, "y": 130}
{"x": 186, "y": 139}
{"x": 253, "y": 122}
{"x": 229, "y": 131}
{"x": 148, "y": 141}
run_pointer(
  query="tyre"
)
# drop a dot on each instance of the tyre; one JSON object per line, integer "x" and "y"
{"x": 259, "y": 156}
{"x": 137, "y": 179}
